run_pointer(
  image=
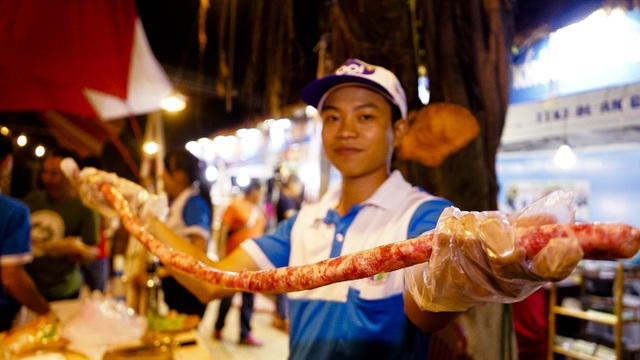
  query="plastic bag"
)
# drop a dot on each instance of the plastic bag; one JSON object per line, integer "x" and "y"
{"x": 102, "y": 322}
{"x": 476, "y": 258}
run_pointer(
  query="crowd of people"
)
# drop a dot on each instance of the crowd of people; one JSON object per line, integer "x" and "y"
{"x": 52, "y": 244}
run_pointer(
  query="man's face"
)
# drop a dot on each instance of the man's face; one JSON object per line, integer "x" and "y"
{"x": 52, "y": 177}
{"x": 356, "y": 131}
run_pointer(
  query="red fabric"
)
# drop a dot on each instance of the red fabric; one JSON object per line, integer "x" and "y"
{"x": 102, "y": 247}
{"x": 530, "y": 320}
{"x": 52, "y": 50}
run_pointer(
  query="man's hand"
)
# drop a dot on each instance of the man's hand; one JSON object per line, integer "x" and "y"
{"x": 88, "y": 180}
{"x": 476, "y": 258}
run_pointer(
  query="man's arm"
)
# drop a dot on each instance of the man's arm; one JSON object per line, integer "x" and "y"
{"x": 20, "y": 286}
{"x": 426, "y": 321}
{"x": 205, "y": 292}
{"x": 72, "y": 247}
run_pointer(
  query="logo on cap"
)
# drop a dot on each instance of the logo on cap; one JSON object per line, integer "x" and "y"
{"x": 354, "y": 66}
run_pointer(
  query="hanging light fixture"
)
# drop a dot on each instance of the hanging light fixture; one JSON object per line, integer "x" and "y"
{"x": 424, "y": 93}
{"x": 564, "y": 158}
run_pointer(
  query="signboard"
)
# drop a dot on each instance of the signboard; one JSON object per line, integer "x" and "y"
{"x": 608, "y": 109}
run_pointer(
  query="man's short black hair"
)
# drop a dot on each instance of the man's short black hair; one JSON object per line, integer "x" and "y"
{"x": 395, "y": 113}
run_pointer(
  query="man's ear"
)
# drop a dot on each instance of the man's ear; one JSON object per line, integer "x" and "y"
{"x": 400, "y": 128}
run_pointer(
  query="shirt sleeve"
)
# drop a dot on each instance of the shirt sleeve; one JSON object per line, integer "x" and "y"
{"x": 16, "y": 243}
{"x": 197, "y": 213}
{"x": 275, "y": 246}
{"x": 426, "y": 216}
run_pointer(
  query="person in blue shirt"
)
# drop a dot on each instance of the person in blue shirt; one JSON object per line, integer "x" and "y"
{"x": 189, "y": 216}
{"x": 364, "y": 116}
{"x": 16, "y": 286}
{"x": 476, "y": 258}
{"x": 363, "y": 110}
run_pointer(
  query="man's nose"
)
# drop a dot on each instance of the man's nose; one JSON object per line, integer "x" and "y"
{"x": 348, "y": 127}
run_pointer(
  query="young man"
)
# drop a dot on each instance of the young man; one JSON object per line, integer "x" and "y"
{"x": 363, "y": 110}
{"x": 16, "y": 287}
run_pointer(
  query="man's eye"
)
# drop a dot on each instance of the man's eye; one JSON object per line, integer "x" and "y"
{"x": 330, "y": 118}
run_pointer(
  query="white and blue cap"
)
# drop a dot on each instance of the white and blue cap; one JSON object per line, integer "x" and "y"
{"x": 357, "y": 72}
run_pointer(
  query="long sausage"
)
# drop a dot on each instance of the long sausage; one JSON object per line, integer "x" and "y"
{"x": 599, "y": 241}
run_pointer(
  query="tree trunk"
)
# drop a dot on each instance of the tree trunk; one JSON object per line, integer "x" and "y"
{"x": 465, "y": 46}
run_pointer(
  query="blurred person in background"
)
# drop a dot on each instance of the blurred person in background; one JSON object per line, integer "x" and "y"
{"x": 64, "y": 232}
{"x": 16, "y": 286}
{"x": 288, "y": 204}
{"x": 96, "y": 273}
{"x": 242, "y": 219}
{"x": 190, "y": 214}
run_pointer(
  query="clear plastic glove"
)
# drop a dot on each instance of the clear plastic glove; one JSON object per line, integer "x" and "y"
{"x": 88, "y": 180}
{"x": 476, "y": 258}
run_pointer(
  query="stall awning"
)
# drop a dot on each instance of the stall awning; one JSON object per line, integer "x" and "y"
{"x": 85, "y": 58}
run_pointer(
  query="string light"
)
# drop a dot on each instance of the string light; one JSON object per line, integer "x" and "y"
{"x": 39, "y": 151}
{"x": 22, "y": 140}
{"x": 151, "y": 147}
{"x": 174, "y": 103}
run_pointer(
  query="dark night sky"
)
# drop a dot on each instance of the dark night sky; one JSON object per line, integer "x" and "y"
{"x": 171, "y": 27}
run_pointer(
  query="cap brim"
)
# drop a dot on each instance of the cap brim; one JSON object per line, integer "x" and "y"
{"x": 314, "y": 91}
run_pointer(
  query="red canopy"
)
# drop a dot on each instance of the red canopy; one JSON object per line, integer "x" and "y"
{"x": 87, "y": 58}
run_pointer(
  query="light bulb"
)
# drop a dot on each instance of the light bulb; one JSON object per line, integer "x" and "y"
{"x": 174, "y": 103}
{"x": 151, "y": 147}
{"x": 564, "y": 158}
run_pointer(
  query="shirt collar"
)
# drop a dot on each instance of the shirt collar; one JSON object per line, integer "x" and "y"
{"x": 388, "y": 196}
{"x": 391, "y": 193}
{"x": 181, "y": 199}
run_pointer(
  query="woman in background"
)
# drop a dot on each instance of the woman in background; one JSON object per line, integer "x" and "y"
{"x": 189, "y": 216}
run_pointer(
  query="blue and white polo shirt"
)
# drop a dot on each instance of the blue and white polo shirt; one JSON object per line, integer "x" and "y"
{"x": 361, "y": 318}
